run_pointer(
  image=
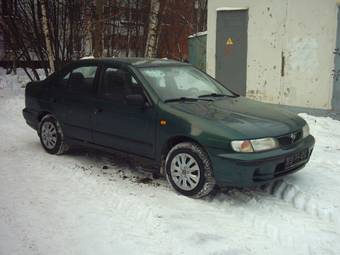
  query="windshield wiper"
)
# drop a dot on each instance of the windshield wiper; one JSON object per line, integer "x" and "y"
{"x": 217, "y": 95}
{"x": 212, "y": 95}
{"x": 184, "y": 99}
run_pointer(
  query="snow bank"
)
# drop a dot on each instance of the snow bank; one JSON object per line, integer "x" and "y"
{"x": 11, "y": 85}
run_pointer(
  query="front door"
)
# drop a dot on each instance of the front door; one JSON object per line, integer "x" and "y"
{"x": 231, "y": 49}
{"x": 117, "y": 124}
{"x": 77, "y": 102}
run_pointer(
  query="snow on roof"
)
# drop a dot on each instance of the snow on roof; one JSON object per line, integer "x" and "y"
{"x": 88, "y": 57}
{"x": 198, "y": 34}
{"x": 231, "y": 8}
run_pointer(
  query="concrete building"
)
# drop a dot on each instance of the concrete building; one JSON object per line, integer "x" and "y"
{"x": 277, "y": 51}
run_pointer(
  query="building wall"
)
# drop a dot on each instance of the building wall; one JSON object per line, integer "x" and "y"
{"x": 301, "y": 31}
{"x": 197, "y": 45}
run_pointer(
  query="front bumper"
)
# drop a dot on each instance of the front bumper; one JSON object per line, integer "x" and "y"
{"x": 253, "y": 169}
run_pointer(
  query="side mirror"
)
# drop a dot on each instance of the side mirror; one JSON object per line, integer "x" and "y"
{"x": 136, "y": 99}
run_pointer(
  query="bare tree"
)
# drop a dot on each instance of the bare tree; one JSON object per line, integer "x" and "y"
{"x": 47, "y": 32}
{"x": 98, "y": 29}
{"x": 201, "y": 15}
{"x": 50, "y": 55}
{"x": 88, "y": 42}
{"x": 151, "y": 42}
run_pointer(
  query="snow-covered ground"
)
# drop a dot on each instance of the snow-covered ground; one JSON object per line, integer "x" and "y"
{"x": 89, "y": 202}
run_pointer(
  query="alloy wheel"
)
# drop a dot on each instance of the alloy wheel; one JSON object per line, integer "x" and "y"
{"x": 49, "y": 134}
{"x": 185, "y": 171}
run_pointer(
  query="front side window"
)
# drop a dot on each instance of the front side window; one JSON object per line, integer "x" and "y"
{"x": 172, "y": 82}
{"x": 117, "y": 84}
{"x": 81, "y": 79}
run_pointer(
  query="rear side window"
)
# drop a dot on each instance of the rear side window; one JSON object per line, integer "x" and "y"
{"x": 64, "y": 80}
{"x": 81, "y": 79}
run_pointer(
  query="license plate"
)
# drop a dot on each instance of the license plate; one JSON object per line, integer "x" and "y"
{"x": 296, "y": 158}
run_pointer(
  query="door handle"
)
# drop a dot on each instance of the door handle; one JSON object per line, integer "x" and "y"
{"x": 98, "y": 110}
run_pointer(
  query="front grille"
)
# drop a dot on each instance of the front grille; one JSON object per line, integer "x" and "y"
{"x": 290, "y": 139}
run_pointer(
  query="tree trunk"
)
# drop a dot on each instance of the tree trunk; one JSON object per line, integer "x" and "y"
{"x": 202, "y": 16}
{"x": 129, "y": 28}
{"x": 151, "y": 42}
{"x": 98, "y": 29}
{"x": 88, "y": 39}
{"x": 50, "y": 55}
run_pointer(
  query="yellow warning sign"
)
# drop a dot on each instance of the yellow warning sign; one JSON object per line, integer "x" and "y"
{"x": 230, "y": 42}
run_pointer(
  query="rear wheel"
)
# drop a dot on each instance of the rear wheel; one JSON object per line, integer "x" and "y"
{"x": 189, "y": 171}
{"x": 51, "y": 135}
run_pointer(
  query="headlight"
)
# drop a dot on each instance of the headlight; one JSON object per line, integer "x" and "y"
{"x": 264, "y": 144}
{"x": 242, "y": 146}
{"x": 305, "y": 131}
{"x": 256, "y": 145}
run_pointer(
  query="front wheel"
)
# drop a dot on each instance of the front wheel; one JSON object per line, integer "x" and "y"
{"x": 51, "y": 135}
{"x": 189, "y": 170}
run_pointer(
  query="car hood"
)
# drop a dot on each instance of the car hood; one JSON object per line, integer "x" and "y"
{"x": 246, "y": 117}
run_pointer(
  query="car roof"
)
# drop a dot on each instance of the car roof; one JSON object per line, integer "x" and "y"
{"x": 137, "y": 62}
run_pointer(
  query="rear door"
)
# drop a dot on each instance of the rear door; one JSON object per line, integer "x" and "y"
{"x": 74, "y": 101}
{"x": 118, "y": 125}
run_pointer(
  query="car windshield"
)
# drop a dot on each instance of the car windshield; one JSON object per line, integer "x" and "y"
{"x": 179, "y": 82}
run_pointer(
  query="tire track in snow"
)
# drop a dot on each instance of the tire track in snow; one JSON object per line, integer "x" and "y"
{"x": 300, "y": 200}
{"x": 280, "y": 190}
{"x": 288, "y": 201}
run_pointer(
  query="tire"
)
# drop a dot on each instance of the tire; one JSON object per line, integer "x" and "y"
{"x": 189, "y": 171}
{"x": 51, "y": 135}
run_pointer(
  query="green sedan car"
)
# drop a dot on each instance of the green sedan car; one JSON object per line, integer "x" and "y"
{"x": 195, "y": 131}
